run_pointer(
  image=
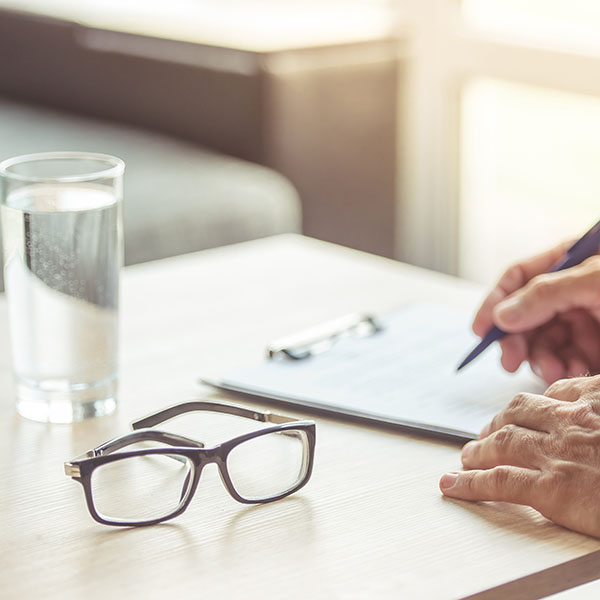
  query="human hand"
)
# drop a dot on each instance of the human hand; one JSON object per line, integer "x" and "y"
{"x": 541, "y": 451}
{"x": 553, "y": 319}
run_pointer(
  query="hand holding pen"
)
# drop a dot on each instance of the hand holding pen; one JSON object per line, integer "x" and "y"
{"x": 549, "y": 306}
{"x": 541, "y": 449}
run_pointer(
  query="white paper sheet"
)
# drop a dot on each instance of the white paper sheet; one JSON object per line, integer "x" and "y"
{"x": 404, "y": 374}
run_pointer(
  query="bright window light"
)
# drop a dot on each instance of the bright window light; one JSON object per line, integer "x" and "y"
{"x": 530, "y": 172}
{"x": 574, "y": 23}
{"x": 260, "y": 25}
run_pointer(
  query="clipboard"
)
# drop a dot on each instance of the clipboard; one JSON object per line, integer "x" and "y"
{"x": 397, "y": 369}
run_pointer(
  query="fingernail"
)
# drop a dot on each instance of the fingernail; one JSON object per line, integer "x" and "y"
{"x": 509, "y": 311}
{"x": 448, "y": 480}
{"x": 485, "y": 431}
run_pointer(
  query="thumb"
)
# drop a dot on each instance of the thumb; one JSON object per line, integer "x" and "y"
{"x": 547, "y": 295}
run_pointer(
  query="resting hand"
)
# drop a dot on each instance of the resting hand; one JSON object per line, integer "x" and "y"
{"x": 541, "y": 451}
{"x": 553, "y": 318}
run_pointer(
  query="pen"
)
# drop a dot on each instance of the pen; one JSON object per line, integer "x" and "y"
{"x": 583, "y": 248}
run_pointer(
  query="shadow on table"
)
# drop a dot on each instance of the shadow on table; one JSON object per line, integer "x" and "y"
{"x": 274, "y": 524}
{"x": 522, "y": 520}
{"x": 527, "y": 522}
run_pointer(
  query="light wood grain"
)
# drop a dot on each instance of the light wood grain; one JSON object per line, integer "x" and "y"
{"x": 370, "y": 524}
{"x": 544, "y": 583}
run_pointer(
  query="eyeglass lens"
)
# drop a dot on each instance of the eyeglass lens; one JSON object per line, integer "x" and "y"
{"x": 269, "y": 465}
{"x": 153, "y": 486}
{"x": 140, "y": 488}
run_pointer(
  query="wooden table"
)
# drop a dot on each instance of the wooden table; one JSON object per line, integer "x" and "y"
{"x": 370, "y": 524}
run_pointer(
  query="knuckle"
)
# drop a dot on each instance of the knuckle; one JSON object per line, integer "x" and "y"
{"x": 578, "y": 444}
{"x": 501, "y": 477}
{"x": 499, "y": 421}
{"x": 593, "y": 382}
{"x": 539, "y": 287}
{"x": 556, "y": 388}
{"x": 562, "y": 413}
{"x": 590, "y": 388}
{"x": 513, "y": 277}
{"x": 468, "y": 483}
{"x": 551, "y": 485}
{"x": 505, "y": 435}
{"x": 495, "y": 424}
{"x": 520, "y": 401}
{"x": 582, "y": 415}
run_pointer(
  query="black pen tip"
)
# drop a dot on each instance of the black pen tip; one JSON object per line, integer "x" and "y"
{"x": 473, "y": 354}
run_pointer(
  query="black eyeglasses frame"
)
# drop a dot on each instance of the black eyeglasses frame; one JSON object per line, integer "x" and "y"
{"x": 186, "y": 449}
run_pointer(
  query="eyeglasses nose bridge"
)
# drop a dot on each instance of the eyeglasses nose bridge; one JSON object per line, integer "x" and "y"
{"x": 206, "y": 456}
{"x": 200, "y": 460}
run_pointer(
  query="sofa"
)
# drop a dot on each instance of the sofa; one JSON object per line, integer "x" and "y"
{"x": 325, "y": 115}
{"x": 178, "y": 195}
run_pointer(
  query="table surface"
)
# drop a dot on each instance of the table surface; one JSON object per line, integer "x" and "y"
{"x": 370, "y": 523}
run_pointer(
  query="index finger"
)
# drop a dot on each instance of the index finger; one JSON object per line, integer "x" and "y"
{"x": 514, "y": 278}
{"x": 503, "y": 483}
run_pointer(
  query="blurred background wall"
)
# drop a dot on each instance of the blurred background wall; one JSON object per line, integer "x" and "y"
{"x": 457, "y": 135}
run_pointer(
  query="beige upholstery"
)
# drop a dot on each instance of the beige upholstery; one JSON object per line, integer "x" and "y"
{"x": 178, "y": 197}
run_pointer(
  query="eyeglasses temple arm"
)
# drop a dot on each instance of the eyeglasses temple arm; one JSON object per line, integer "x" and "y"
{"x": 145, "y": 435}
{"x": 132, "y": 438}
{"x": 232, "y": 409}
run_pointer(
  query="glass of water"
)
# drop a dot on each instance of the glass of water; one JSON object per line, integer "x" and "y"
{"x": 63, "y": 249}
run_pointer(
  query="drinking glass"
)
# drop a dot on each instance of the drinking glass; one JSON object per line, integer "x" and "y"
{"x": 63, "y": 249}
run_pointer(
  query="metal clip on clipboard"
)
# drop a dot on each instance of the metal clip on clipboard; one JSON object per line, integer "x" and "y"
{"x": 317, "y": 340}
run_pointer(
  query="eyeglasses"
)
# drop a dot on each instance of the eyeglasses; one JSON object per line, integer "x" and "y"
{"x": 150, "y": 485}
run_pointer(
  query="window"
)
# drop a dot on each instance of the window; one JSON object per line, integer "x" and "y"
{"x": 530, "y": 172}
{"x": 502, "y": 130}
{"x": 562, "y": 22}
{"x": 500, "y": 107}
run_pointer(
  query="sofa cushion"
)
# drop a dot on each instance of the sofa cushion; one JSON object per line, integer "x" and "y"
{"x": 178, "y": 197}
